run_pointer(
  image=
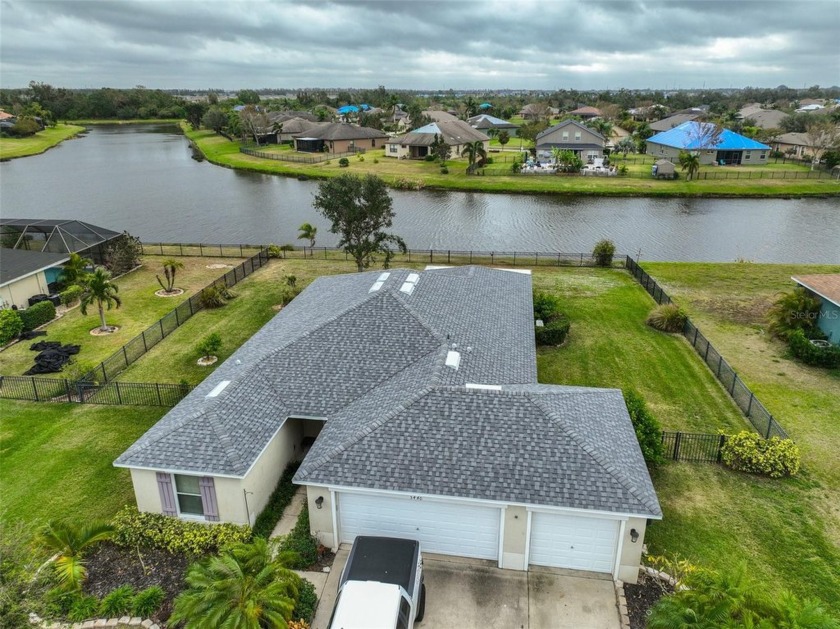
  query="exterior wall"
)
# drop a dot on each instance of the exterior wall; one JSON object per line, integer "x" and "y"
{"x": 400, "y": 153}
{"x": 321, "y": 520}
{"x": 798, "y": 149}
{"x": 17, "y": 293}
{"x": 631, "y": 553}
{"x": 829, "y": 321}
{"x": 754, "y": 157}
{"x": 515, "y": 539}
{"x": 707, "y": 158}
{"x": 347, "y": 146}
{"x": 146, "y": 491}
{"x": 556, "y": 136}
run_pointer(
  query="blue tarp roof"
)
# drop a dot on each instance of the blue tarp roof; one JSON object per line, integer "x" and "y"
{"x": 429, "y": 128}
{"x": 686, "y": 136}
{"x": 485, "y": 106}
{"x": 347, "y": 109}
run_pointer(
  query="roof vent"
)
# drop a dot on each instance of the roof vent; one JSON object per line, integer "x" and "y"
{"x": 412, "y": 278}
{"x": 407, "y": 288}
{"x": 383, "y": 276}
{"x": 218, "y": 388}
{"x": 376, "y": 286}
{"x": 453, "y": 360}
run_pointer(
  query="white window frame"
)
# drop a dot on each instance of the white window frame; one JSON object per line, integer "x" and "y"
{"x": 763, "y": 155}
{"x": 577, "y": 136}
{"x": 565, "y": 136}
{"x": 181, "y": 514}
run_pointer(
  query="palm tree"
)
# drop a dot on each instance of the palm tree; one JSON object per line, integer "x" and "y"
{"x": 474, "y": 151}
{"x": 690, "y": 162}
{"x": 793, "y": 613}
{"x": 170, "y": 265}
{"x": 67, "y": 542}
{"x": 243, "y": 588}
{"x": 604, "y": 127}
{"x": 470, "y": 106}
{"x": 75, "y": 269}
{"x": 101, "y": 290}
{"x": 307, "y": 231}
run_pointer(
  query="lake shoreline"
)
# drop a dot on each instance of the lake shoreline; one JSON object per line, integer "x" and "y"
{"x": 38, "y": 143}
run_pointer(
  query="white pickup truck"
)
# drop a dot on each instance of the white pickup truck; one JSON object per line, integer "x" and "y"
{"x": 381, "y": 586}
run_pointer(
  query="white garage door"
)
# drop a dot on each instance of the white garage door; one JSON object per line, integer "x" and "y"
{"x": 567, "y": 541}
{"x": 441, "y": 527}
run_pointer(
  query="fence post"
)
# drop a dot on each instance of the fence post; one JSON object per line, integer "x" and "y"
{"x": 706, "y": 355}
{"x": 721, "y": 443}
{"x": 677, "y": 440}
{"x": 749, "y": 405}
{"x": 449, "y": 256}
{"x": 67, "y": 389}
{"x": 694, "y": 342}
{"x": 125, "y": 355}
{"x": 177, "y": 319}
{"x": 769, "y": 424}
{"x": 119, "y": 397}
{"x": 35, "y": 389}
{"x": 200, "y": 250}
{"x": 160, "y": 246}
{"x": 157, "y": 386}
{"x": 720, "y": 362}
{"x": 221, "y": 255}
{"x": 732, "y": 388}
{"x": 104, "y": 373}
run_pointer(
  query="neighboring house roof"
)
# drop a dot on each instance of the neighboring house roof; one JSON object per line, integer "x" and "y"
{"x": 341, "y": 131}
{"x": 282, "y": 116}
{"x": 486, "y": 121}
{"x": 299, "y": 125}
{"x": 672, "y": 121}
{"x": 586, "y": 111}
{"x": 825, "y": 285}
{"x": 686, "y": 135}
{"x": 52, "y": 235}
{"x": 767, "y": 118}
{"x": 15, "y": 264}
{"x": 542, "y": 137}
{"x": 4, "y": 115}
{"x": 793, "y": 138}
{"x": 371, "y": 358}
{"x": 454, "y": 133}
{"x": 439, "y": 116}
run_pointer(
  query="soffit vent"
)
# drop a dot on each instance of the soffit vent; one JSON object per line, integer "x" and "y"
{"x": 453, "y": 359}
{"x": 218, "y": 388}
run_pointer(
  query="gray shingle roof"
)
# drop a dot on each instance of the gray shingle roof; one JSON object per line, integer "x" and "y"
{"x": 373, "y": 365}
{"x": 342, "y": 131}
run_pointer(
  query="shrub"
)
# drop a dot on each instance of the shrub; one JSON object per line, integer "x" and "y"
{"x": 603, "y": 252}
{"x": 71, "y": 294}
{"x": 796, "y": 310}
{"x": 306, "y": 602}
{"x": 301, "y": 542}
{"x": 554, "y": 332}
{"x": 10, "y": 325}
{"x": 811, "y": 354}
{"x": 117, "y": 603}
{"x": 516, "y": 168}
{"x": 211, "y": 344}
{"x": 123, "y": 254}
{"x": 39, "y": 314}
{"x": 375, "y": 161}
{"x": 215, "y": 296}
{"x": 444, "y": 170}
{"x": 623, "y": 170}
{"x": 274, "y": 251}
{"x": 430, "y": 158}
{"x": 155, "y": 530}
{"x": 749, "y": 452}
{"x": 147, "y": 602}
{"x": 648, "y": 430}
{"x": 546, "y": 306}
{"x": 279, "y": 500}
{"x": 343, "y": 162}
{"x": 361, "y": 158}
{"x": 298, "y": 624}
{"x": 667, "y": 318}
{"x": 488, "y": 160}
{"x": 83, "y": 608}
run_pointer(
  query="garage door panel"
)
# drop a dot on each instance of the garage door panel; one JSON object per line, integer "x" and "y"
{"x": 579, "y": 543}
{"x": 441, "y": 527}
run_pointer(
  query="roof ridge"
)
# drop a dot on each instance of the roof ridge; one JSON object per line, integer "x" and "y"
{"x": 612, "y": 470}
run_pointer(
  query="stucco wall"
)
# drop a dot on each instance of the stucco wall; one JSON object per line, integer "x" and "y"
{"x": 515, "y": 537}
{"x": 17, "y": 293}
{"x": 345, "y": 146}
{"x": 146, "y": 491}
{"x": 631, "y": 553}
{"x": 829, "y": 321}
{"x": 321, "y": 520}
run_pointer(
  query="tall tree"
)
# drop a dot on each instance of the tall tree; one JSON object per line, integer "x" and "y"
{"x": 243, "y": 588}
{"x": 821, "y": 135}
{"x": 74, "y": 270}
{"x": 215, "y": 119}
{"x": 504, "y": 137}
{"x": 67, "y": 542}
{"x": 470, "y": 106}
{"x": 475, "y": 153}
{"x": 690, "y": 162}
{"x": 170, "y": 266}
{"x": 359, "y": 210}
{"x": 99, "y": 289}
{"x": 254, "y": 122}
{"x": 194, "y": 113}
{"x": 602, "y": 126}
{"x": 308, "y": 231}
{"x": 440, "y": 149}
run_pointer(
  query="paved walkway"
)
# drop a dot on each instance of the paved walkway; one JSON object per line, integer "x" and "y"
{"x": 290, "y": 513}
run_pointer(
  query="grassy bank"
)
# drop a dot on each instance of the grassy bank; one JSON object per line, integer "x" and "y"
{"x": 88, "y": 122}
{"x": 11, "y": 148}
{"x": 420, "y": 174}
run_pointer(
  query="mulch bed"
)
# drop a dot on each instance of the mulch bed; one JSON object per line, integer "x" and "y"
{"x": 641, "y": 597}
{"x": 110, "y": 566}
{"x": 325, "y": 560}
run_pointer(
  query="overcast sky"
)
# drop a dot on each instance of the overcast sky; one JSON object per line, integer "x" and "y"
{"x": 420, "y": 44}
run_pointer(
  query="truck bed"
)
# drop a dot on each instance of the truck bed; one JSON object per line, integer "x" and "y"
{"x": 383, "y": 559}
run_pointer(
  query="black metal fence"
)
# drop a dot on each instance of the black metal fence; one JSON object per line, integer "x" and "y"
{"x": 200, "y": 250}
{"x": 109, "y": 368}
{"x": 37, "y": 389}
{"x": 693, "y": 447}
{"x": 315, "y": 158}
{"x": 701, "y": 175}
{"x": 750, "y": 405}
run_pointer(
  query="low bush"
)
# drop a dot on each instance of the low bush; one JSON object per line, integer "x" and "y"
{"x": 546, "y": 306}
{"x": 554, "y": 332}
{"x": 361, "y": 158}
{"x": 796, "y": 310}
{"x": 83, "y": 608}
{"x": 301, "y": 542}
{"x": 306, "y": 602}
{"x": 10, "y": 325}
{"x": 603, "y": 252}
{"x": 274, "y": 251}
{"x": 810, "y": 354}
{"x": 147, "y": 602}
{"x": 343, "y": 162}
{"x": 117, "y": 603}
{"x": 215, "y": 296}
{"x": 647, "y": 428}
{"x": 71, "y": 294}
{"x": 444, "y": 170}
{"x": 667, "y": 318}
{"x": 155, "y": 530}
{"x": 749, "y": 452}
{"x": 210, "y": 345}
{"x": 430, "y": 158}
{"x": 39, "y": 314}
{"x": 277, "y": 502}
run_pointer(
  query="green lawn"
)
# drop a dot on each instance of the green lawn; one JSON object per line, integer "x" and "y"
{"x": 140, "y": 309}
{"x": 38, "y": 143}
{"x": 420, "y": 174}
{"x": 55, "y": 459}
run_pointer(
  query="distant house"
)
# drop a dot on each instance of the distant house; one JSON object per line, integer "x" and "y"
{"x": 289, "y": 128}
{"x": 416, "y": 144}
{"x": 586, "y": 113}
{"x": 571, "y": 135}
{"x": 485, "y": 122}
{"x": 730, "y": 149}
{"x": 536, "y": 111}
{"x": 765, "y": 118}
{"x": 797, "y": 145}
{"x": 617, "y": 134}
{"x": 439, "y": 116}
{"x": 672, "y": 121}
{"x": 33, "y": 251}
{"x": 339, "y": 137}
{"x": 826, "y": 287}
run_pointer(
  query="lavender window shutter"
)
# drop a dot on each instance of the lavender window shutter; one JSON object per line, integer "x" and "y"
{"x": 208, "y": 498}
{"x": 167, "y": 496}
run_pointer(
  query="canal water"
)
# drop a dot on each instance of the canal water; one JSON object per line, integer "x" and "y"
{"x": 143, "y": 179}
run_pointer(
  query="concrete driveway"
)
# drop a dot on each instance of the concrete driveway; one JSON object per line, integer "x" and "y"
{"x": 474, "y": 594}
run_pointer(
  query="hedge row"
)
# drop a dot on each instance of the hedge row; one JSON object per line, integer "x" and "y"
{"x": 277, "y": 503}
{"x": 37, "y": 315}
{"x": 810, "y": 354}
{"x": 10, "y": 325}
